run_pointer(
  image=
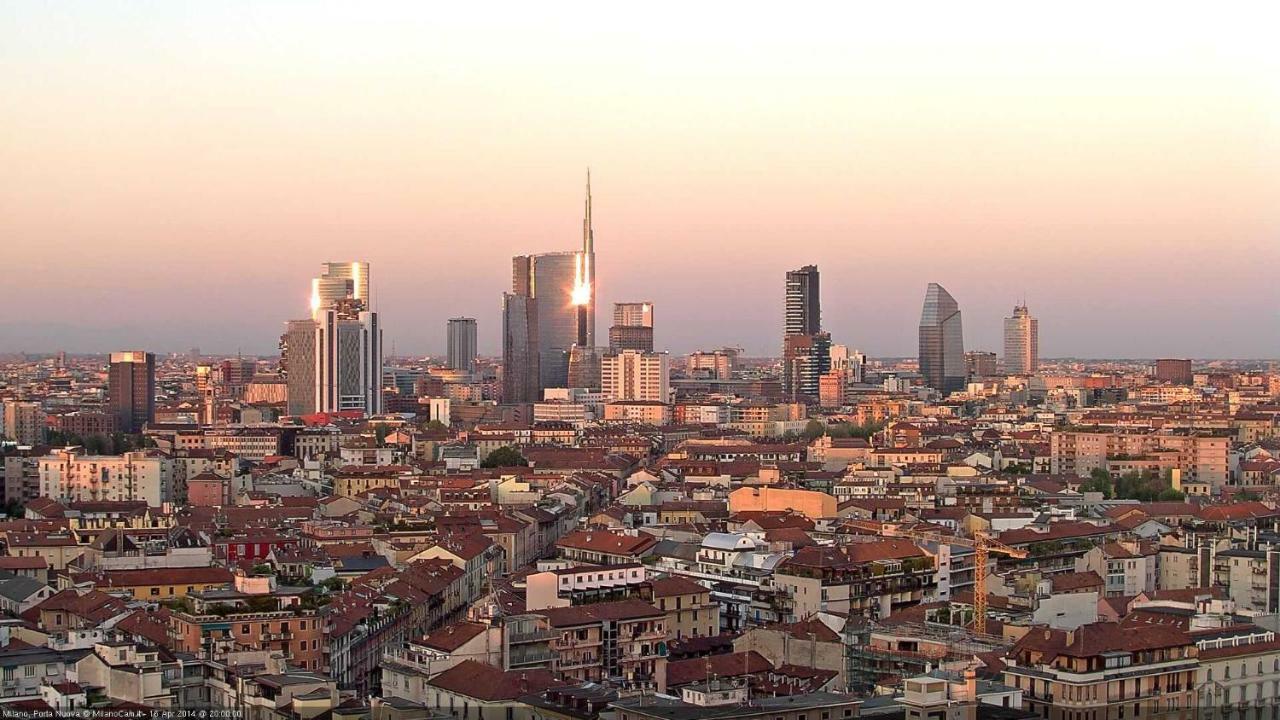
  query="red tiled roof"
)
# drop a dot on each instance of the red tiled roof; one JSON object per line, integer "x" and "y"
{"x": 1063, "y": 582}
{"x": 693, "y": 670}
{"x": 629, "y": 609}
{"x": 603, "y": 541}
{"x": 451, "y": 637}
{"x": 675, "y": 585}
{"x": 486, "y": 682}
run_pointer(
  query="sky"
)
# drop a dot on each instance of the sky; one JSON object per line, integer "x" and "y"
{"x": 172, "y": 174}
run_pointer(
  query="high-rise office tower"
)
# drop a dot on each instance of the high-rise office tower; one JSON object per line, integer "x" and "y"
{"x": 849, "y": 361}
{"x": 1021, "y": 342}
{"x": 348, "y": 359}
{"x": 980, "y": 364}
{"x": 562, "y": 286}
{"x": 806, "y": 358}
{"x": 131, "y": 389}
{"x": 298, "y": 363}
{"x": 804, "y": 312}
{"x": 584, "y": 367}
{"x": 520, "y": 356}
{"x": 806, "y": 350}
{"x": 941, "y": 341}
{"x": 340, "y": 281}
{"x": 632, "y": 327}
{"x": 634, "y": 375}
{"x": 462, "y": 344}
{"x": 633, "y": 314}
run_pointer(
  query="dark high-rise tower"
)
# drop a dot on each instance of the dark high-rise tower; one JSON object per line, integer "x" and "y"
{"x": 941, "y": 341}
{"x": 462, "y": 344}
{"x": 131, "y": 389}
{"x": 806, "y": 350}
{"x": 520, "y": 356}
{"x": 804, "y": 312}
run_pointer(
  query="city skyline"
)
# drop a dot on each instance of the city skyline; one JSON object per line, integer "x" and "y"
{"x": 1089, "y": 176}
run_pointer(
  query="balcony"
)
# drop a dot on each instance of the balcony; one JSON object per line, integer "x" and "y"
{"x": 531, "y": 658}
{"x": 647, "y": 635}
{"x": 576, "y": 663}
{"x": 515, "y": 638}
{"x": 572, "y": 643}
{"x": 639, "y": 656}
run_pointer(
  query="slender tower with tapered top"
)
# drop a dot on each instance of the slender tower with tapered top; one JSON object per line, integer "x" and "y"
{"x": 589, "y": 266}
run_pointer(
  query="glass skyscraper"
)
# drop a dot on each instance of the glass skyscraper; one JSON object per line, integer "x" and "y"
{"x": 941, "y": 341}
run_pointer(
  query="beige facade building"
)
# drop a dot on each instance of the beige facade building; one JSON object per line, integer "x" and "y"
{"x": 1200, "y": 457}
{"x": 632, "y": 375}
{"x": 69, "y": 475}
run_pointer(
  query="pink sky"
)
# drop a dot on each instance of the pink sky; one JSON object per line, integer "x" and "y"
{"x": 174, "y": 174}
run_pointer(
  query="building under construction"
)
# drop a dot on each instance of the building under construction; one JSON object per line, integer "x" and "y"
{"x": 884, "y": 654}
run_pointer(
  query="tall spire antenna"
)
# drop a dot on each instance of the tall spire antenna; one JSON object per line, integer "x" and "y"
{"x": 588, "y": 236}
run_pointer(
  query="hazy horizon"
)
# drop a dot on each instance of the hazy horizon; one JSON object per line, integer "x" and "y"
{"x": 175, "y": 173}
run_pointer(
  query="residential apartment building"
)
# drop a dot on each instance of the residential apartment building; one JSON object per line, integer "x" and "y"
{"x": 69, "y": 475}
{"x": 1100, "y": 671}
{"x": 624, "y": 640}
{"x": 872, "y": 579}
{"x": 1200, "y": 457}
{"x": 634, "y": 375}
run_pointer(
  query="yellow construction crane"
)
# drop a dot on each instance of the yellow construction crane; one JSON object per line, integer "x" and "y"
{"x": 982, "y": 544}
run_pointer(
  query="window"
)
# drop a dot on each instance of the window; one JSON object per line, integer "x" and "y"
{"x": 29, "y": 671}
{"x": 155, "y": 592}
{"x": 244, "y": 629}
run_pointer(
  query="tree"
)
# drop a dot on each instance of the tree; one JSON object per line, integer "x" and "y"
{"x": 505, "y": 456}
{"x": 814, "y": 430}
{"x": 1099, "y": 481}
{"x": 435, "y": 426}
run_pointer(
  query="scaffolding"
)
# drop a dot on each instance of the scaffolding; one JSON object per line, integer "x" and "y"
{"x": 878, "y": 654}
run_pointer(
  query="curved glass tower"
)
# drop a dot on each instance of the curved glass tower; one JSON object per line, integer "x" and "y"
{"x": 941, "y": 341}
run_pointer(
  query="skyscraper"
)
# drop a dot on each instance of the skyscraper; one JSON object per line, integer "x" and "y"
{"x": 298, "y": 362}
{"x": 979, "y": 364}
{"x": 548, "y": 281}
{"x": 806, "y": 358}
{"x": 941, "y": 341}
{"x": 1021, "y": 342}
{"x": 520, "y": 356}
{"x": 340, "y": 281}
{"x": 632, "y": 327}
{"x": 462, "y": 344}
{"x": 562, "y": 286}
{"x": 806, "y": 350}
{"x": 633, "y": 314}
{"x": 804, "y": 313}
{"x": 346, "y": 352}
{"x": 131, "y": 389}
{"x": 348, "y": 359}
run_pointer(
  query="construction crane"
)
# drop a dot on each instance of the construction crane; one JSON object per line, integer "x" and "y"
{"x": 982, "y": 543}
